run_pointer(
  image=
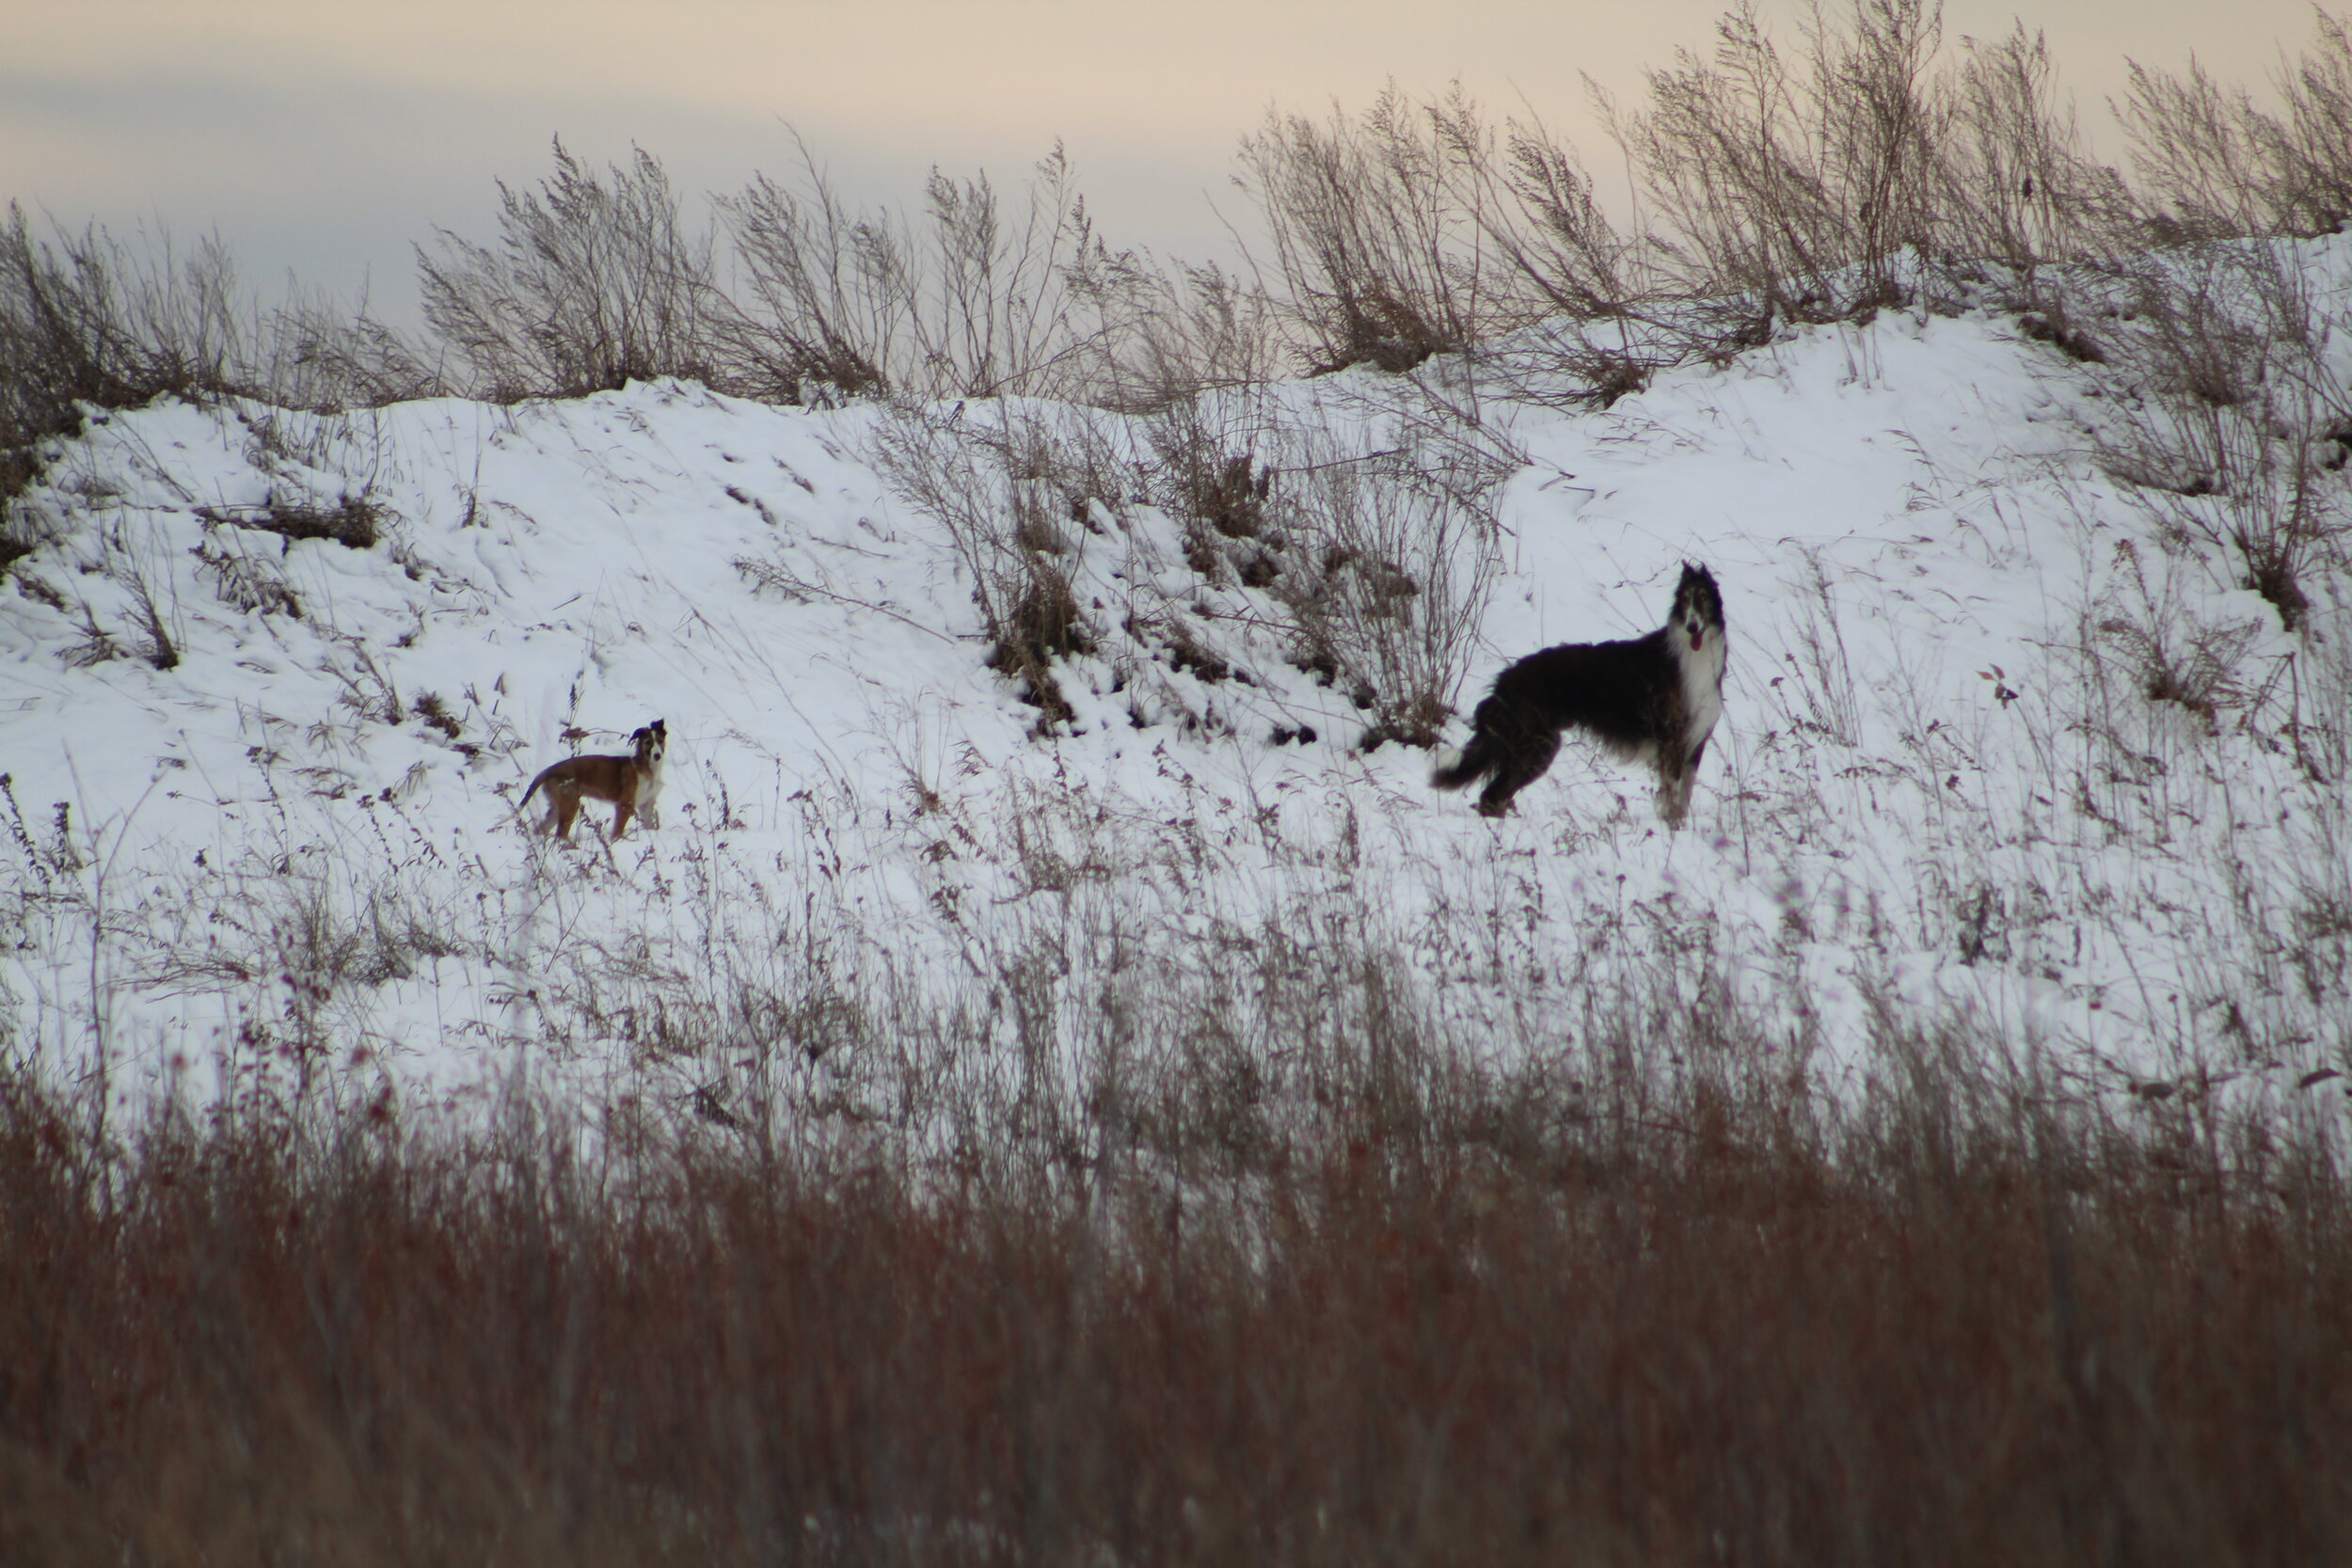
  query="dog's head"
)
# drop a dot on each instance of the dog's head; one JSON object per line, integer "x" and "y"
{"x": 652, "y": 743}
{"x": 1698, "y": 606}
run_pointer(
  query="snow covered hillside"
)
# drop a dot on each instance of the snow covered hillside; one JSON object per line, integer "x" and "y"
{"x": 261, "y": 785}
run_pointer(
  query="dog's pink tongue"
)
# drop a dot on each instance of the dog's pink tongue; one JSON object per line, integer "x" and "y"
{"x": 1698, "y": 641}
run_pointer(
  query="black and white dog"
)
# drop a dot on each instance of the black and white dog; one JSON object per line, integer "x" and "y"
{"x": 1654, "y": 699}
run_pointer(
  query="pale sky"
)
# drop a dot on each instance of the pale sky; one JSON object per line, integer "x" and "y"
{"x": 323, "y": 137}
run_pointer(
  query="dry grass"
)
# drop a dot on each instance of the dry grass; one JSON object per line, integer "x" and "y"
{"x": 1710, "y": 1329}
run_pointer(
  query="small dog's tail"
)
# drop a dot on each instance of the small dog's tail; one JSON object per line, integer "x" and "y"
{"x": 529, "y": 793}
{"x": 1467, "y": 765}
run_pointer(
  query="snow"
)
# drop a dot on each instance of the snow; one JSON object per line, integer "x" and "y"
{"x": 1937, "y": 793}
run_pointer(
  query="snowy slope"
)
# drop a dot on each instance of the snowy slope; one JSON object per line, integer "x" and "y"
{"x": 1941, "y": 793}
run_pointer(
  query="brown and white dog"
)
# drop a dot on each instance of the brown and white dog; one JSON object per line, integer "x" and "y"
{"x": 1652, "y": 699}
{"x": 629, "y": 783}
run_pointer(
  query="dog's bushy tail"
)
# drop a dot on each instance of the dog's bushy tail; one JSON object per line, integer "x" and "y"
{"x": 1472, "y": 763}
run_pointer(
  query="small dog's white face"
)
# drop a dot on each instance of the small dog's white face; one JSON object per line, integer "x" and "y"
{"x": 653, "y": 745}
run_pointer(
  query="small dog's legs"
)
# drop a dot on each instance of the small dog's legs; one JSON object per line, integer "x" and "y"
{"x": 622, "y": 809}
{"x": 563, "y": 807}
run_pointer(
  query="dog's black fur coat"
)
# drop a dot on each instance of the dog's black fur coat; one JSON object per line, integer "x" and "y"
{"x": 1651, "y": 699}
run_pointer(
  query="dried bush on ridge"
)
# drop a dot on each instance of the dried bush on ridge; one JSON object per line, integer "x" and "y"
{"x": 326, "y": 359}
{"x": 976, "y": 297}
{"x": 1417, "y": 229}
{"x": 1532, "y": 204}
{"x": 85, "y": 320}
{"x": 1865, "y": 173}
{"x": 1797, "y": 190}
{"x": 1201, "y": 331}
{"x": 1001, "y": 327}
{"x": 1570, "y": 295}
{"x": 831, "y": 289}
{"x": 1379, "y": 261}
{"x": 1855, "y": 175}
{"x": 2016, "y": 189}
{"x": 594, "y": 282}
{"x": 2226, "y": 167}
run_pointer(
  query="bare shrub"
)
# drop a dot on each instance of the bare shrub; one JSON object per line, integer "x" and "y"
{"x": 2177, "y": 659}
{"x": 1000, "y": 327}
{"x": 90, "y": 321}
{"x": 1214, "y": 473}
{"x": 368, "y": 688}
{"x": 247, "y": 582}
{"x": 86, "y": 320}
{"x": 1015, "y": 488}
{"x": 2227, "y": 445}
{"x": 1808, "y": 187}
{"x": 1389, "y": 558}
{"x": 976, "y": 297}
{"x": 1532, "y": 202}
{"x": 97, "y": 644}
{"x": 1569, "y": 296}
{"x": 326, "y": 357}
{"x": 1797, "y": 187}
{"x": 1376, "y": 553}
{"x": 1420, "y": 228}
{"x": 2225, "y": 166}
{"x": 160, "y": 648}
{"x": 832, "y": 289}
{"x": 1200, "y": 329}
{"x": 593, "y": 282}
{"x": 1378, "y": 258}
{"x": 2017, "y": 191}
{"x": 1864, "y": 169}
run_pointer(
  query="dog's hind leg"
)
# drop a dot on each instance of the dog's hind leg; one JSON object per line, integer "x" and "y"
{"x": 1523, "y": 763}
{"x": 565, "y": 799}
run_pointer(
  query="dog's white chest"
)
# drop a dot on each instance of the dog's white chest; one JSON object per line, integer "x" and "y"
{"x": 1703, "y": 688}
